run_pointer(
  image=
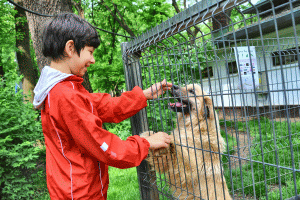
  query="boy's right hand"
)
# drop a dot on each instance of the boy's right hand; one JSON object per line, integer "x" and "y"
{"x": 159, "y": 140}
{"x": 157, "y": 89}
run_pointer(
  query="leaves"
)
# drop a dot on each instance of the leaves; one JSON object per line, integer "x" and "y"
{"x": 19, "y": 131}
{"x": 107, "y": 74}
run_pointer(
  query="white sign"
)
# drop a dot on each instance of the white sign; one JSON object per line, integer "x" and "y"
{"x": 247, "y": 68}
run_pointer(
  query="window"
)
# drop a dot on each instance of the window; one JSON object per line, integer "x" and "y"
{"x": 288, "y": 56}
{"x": 207, "y": 72}
{"x": 232, "y": 67}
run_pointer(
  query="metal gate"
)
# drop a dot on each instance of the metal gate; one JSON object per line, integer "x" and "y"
{"x": 245, "y": 58}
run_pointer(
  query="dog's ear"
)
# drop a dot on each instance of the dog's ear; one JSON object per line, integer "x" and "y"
{"x": 208, "y": 108}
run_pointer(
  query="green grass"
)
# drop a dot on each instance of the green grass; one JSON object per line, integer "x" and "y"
{"x": 123, "y": 184}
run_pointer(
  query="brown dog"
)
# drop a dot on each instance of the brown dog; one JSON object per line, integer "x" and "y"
{"x": 192, "y": 163}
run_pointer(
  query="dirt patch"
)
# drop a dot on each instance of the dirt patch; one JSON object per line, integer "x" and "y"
{"x": 239, "y": 196}
{"x": 241, "y": 148}
{"x": 240, "y": 155}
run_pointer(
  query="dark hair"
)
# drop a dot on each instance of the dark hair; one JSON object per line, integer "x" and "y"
{"x": 64, "y": 27}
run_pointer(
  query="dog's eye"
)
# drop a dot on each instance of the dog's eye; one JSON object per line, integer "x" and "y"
{"x": 192, "y": 91}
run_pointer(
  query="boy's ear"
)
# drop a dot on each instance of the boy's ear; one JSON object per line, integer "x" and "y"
{"x": 69, "y": 48}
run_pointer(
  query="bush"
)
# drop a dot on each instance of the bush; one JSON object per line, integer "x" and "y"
{"x": 19, "y": 132}
{"x": 122, "y": 129}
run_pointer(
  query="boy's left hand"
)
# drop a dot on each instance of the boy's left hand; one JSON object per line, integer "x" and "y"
{"x": 157, "y": 89}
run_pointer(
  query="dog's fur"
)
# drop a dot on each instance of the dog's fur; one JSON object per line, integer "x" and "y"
{"x": 193, "y": 173}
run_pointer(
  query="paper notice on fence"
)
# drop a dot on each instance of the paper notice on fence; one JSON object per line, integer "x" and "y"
{"x": 247, "y": 68}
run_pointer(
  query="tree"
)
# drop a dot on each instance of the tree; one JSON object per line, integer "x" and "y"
{"x": 25, "y": 62}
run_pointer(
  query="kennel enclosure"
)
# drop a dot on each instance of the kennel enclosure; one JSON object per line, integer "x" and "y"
{"x": 245, "y": 55}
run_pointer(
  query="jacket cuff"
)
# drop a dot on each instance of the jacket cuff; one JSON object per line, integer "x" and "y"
{"x": 146, "y": 143}
{"x": 140, "y": 94}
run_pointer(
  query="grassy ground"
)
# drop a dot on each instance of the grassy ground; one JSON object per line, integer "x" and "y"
{"x": 123, "y": 184}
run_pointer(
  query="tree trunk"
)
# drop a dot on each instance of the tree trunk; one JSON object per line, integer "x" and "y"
{"x": 23, "y": 53}
{"x": 37, "y": 23}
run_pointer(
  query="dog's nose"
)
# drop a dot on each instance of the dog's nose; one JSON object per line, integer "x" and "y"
{"x": 174, "y": 87}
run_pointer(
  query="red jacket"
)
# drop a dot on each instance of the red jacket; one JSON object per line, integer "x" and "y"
{"x": 78, "y": 150}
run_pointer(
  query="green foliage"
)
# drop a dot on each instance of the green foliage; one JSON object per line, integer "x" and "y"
{"x": 19, "y": 132}
{"x": 153, "y": 12}
{"x": 122, "y": 129}
{"x": 7, "y": 25}
{"x": 239, "y": 20}
{"x": 107, "y": 74}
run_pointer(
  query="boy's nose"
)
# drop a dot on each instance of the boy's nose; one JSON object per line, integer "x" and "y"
{"x": 93, "y": 60}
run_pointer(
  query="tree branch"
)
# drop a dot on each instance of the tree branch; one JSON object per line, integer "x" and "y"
{"x": 174, "y": 4}
{"x": 123, "y": 25}
{"x": 117, "y": 10}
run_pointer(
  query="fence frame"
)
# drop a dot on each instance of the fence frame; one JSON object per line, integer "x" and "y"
{"x": 199, "y": 12}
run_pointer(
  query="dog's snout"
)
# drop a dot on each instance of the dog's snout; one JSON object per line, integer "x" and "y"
{"x": 174, "y": 87}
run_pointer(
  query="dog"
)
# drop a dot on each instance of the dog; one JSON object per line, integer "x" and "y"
{"x": 192, "y": 163}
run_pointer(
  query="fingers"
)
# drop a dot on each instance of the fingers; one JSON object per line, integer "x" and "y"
{"x": 159, "y": 140}
{"x": 162, "y": 87}
{"x": 166, "y": 85}
{"x": 166, "y": 139}
{"x": 157, "y": 89}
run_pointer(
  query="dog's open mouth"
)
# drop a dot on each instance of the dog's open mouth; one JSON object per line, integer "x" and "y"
{"x": 180, "y": 106}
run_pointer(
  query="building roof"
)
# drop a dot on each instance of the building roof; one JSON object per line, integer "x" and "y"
{"x": 267, "y": 25}
{"x": 263, "y": 5}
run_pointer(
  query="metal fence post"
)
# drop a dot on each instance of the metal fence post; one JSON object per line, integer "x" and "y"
{"x": 139, "y": 124}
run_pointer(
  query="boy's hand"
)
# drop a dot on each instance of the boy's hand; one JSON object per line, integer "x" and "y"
{"x": 157, "y": 89}
{"x": 158, "y": 140}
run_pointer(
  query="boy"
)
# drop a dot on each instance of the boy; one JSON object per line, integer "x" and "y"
{"x": 78, "y": 150}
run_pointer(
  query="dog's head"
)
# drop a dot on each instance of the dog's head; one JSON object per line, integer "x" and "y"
{"x": 191, "y": 99}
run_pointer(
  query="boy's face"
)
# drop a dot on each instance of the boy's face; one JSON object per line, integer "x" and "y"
{"x": 82, "y": 62}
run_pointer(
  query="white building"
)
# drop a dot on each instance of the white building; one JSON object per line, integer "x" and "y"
{"x": 276, "y": 38}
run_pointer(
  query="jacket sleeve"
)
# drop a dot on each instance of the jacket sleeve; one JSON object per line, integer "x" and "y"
{"x": 116, "y": 109}
{"x": 74, "y": 115}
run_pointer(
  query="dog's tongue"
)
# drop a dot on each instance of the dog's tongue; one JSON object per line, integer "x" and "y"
{"x": 177, "y": 104}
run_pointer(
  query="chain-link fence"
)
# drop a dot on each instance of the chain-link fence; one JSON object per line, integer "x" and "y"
{"x": 234, "y": 110}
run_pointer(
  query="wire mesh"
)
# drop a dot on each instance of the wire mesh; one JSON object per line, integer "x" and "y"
{"x": 236, "y": 65}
